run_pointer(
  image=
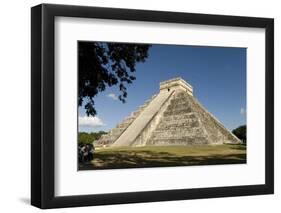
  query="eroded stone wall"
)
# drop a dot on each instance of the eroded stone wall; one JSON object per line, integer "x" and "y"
{"x": 179, "y": 125}
{"x": 179, "y": 120}
{"x": 114, "y": 134}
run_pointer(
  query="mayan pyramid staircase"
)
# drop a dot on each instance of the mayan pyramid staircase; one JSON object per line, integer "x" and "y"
{"x": 115, "y": 133}
{"x": 172, "y": 117}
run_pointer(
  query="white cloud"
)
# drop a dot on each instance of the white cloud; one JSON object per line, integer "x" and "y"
{"x": 90, "y": 121}
{"x": 243, "y": 111}
{"x": 112, "y": 96}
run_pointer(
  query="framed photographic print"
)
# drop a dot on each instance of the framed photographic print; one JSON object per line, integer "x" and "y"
{"x": 139, "y": 106}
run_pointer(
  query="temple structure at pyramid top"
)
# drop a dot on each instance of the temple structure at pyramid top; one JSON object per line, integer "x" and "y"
{"x": 176, "y": 84}
{"x": 171, "y": 117}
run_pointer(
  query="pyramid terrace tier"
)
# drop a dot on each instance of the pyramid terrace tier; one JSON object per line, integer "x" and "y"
{"x": 115, "y": 133}
{"x": 172, "y": 117}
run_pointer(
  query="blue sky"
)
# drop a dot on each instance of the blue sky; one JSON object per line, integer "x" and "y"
{"x": 217, "y": 74}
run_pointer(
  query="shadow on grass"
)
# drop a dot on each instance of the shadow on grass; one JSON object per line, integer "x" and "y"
{"x": 145, "y": 159}
{"x": 238, "y": 147}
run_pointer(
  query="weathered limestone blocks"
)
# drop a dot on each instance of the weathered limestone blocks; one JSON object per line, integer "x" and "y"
{"x": 173, "y": 117}
{"x": 217, "y": 133}
{"x": 150, "y": 127}
{"x": 114, "y": 133}
{"x": 176, "y": 84}
{"x": 139, "y": 125}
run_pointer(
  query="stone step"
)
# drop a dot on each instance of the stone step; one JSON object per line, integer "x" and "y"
{"x": 178, "y": 141}
{"x": 174, "y": 124}
{"x": 178, "y": 106}
{"x": 123, "y": 125}
{"x": 132, "y": 132}
{"x": 177, "y": 111}
{"x": 177, "y": 133}
{"x": 114, "y": 133}
{"x": 180, "y": 95}
{"x": 179, "y": 101}
{"x": 189, "y": 115}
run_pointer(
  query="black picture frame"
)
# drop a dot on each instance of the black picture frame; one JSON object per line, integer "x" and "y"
{"x": 43, "y": 105}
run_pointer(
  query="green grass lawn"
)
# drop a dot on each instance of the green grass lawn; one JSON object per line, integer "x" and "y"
{"x": 161, "y": 156}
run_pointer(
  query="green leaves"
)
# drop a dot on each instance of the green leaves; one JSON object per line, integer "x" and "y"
{"x": 88, "y": 138}
{"x": 103, "y": 65}
{"x": 241, "y": 133}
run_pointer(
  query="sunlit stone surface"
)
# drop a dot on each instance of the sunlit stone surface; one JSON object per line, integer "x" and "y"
{"x": 172, "y": 117}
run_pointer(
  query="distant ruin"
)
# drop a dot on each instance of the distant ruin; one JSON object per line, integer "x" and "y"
{"x": 172, "y": 117}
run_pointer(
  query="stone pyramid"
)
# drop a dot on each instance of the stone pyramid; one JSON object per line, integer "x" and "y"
{"x": 172, "y": 117}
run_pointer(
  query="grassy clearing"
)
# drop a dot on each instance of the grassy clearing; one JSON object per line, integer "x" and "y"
{"x": 160, "y": 156}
